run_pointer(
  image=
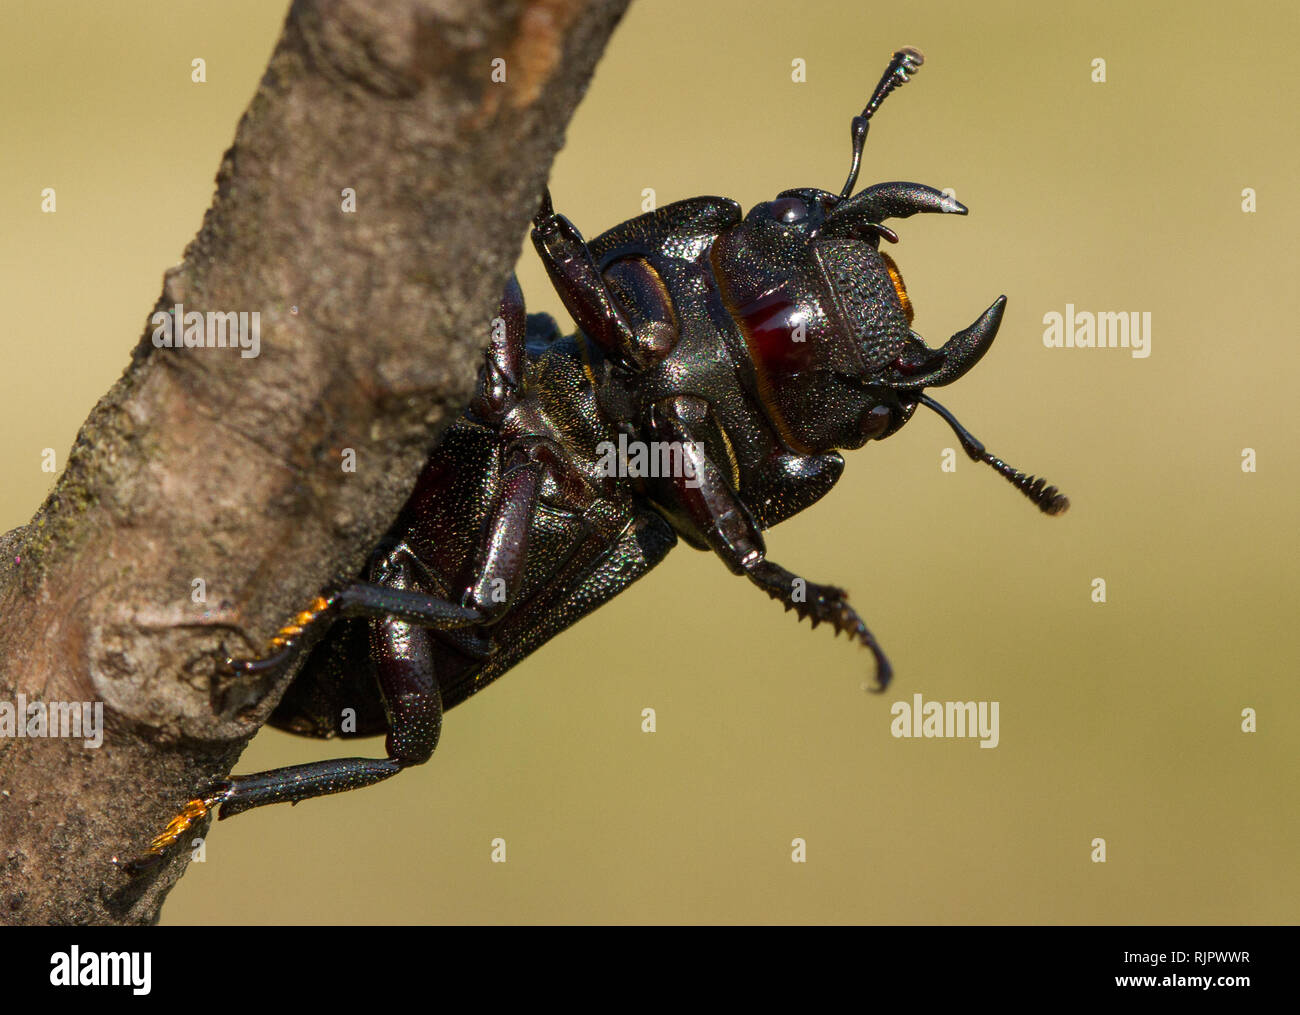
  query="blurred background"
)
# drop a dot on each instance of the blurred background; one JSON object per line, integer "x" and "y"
{"x": 1119, "y": 721}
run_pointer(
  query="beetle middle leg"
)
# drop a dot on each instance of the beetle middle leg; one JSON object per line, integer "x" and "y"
{"x": 357, "y": 599}
{"x": 501, "y": 382}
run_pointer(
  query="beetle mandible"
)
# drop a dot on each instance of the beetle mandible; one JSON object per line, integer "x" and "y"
{"x": 720, "y": 365}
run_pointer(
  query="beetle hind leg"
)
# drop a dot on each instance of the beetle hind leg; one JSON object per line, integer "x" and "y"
{"x": 240, "y": 793}
{"x": 404, "y": 665}
{"x": 402, "y": 650}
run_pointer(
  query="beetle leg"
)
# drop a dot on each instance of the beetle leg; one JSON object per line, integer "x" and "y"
{"x": 501, "y": 382}
{"x": 820, "y": 603}
{"x": 500, "y": 566}
{"x": 718, "y": 514}
{"x": 411, "y": 696}
{"x": 401, "y": 647}
{"x": 404, "y": 667}
{"x": 359, "y": 599}
{"x": 578, "y": 281}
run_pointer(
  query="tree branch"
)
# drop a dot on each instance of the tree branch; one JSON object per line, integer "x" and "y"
{"x": 201, "y": 463}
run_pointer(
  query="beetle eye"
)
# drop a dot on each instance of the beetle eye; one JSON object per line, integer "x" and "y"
{"x": 876, "y": 422}
{"x": 789, "y": 210}
{"x": 896, "y": 277}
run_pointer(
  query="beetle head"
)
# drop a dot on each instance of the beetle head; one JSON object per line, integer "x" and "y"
{"x": 827, "y": 318}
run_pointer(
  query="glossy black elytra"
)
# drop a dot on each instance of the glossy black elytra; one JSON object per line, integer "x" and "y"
{"x": 727, "y": 359}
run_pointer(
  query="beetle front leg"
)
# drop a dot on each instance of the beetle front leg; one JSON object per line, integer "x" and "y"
{"x": 578, "y": 281}
{"x": 721, "y": 518}
{"x": 821, "y": 603}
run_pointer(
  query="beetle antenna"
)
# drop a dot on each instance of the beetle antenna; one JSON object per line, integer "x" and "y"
{"x": 1049, "y": 499}
{"x": 906, "y": 61}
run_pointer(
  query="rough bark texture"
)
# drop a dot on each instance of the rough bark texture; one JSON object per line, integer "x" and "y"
{"x": 201, "y": 464}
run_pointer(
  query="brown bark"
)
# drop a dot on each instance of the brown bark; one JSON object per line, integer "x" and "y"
{"x": 199, "y": 463}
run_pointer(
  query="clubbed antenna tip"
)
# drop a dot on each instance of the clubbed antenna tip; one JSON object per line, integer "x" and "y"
{"x": 905, "y": 62}
{"x": 1048, "y": 499}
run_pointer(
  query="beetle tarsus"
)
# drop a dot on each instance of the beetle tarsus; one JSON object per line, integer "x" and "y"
{"x": 160, "y": 846}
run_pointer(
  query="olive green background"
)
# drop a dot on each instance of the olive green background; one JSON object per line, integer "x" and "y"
{"x": 1119, "y": 720}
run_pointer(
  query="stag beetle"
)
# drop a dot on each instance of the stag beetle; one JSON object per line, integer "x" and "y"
{"x": 720, "y": 364}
